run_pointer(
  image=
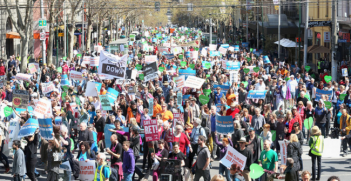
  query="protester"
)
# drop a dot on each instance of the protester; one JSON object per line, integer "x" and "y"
{"x": 128, "y": 162}
{"x": 316, "y": 144}
{"x": 202, "y": 161}
{"x": 19, "y": 162}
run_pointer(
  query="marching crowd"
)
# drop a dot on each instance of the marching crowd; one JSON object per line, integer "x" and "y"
{"x": 297, "y": 107}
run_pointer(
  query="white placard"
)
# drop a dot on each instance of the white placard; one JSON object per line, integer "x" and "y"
{"x": 150, "y": 58}
{"x": 283, "y": 151}
{"x": 180, "y": 81}
{"x": 42, "y": 107}
{"x": 76, "y": 75}
{"x": 87, "y": 170}
{"x": 94, "y": 61}
{"x": 344, "y": 72}
{"x": 194, "y": 82}
{"x": 90, "y": 90}
{"x": 213, "y": 47}
{"x": 86, "y": 60}
{"x": 24, "y": 77}
{"x": 47, "y": 87}
{"x": 233, "y": 157}
{"x": 331, "y": 148}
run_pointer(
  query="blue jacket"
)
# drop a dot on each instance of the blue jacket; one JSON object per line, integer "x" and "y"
{"x": 128, "y": 161}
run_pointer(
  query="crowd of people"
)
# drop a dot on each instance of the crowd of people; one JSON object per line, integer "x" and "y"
{"x": 291, "y": 97}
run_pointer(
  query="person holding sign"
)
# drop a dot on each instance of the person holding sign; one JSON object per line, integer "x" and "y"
{"x": 31, "y": 154}
{"x": 223, "y": 150}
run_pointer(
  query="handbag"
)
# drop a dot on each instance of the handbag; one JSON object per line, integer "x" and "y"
{"x": 309, "y": 152}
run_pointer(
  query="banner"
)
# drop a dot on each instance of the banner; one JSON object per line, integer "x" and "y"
{"x": 76, "y": 75}
{"x": 130, "y": 74}
{"x": 283, "y": 151}
{"x": 46, "y": 129}
{"x": 112, "y": 66}
{"x": 94, "y": 61}
{"x": 86, "y": 60}
{"x": 20, "y": 99}
{"x": 87, "y": 170}
{"x": 41, "y": 108}
{"x": 224, "y": 124}
{"x": 233, "y": 157}
{"x": 179, "y": 81}
{"x": 187, "y": 73}
{"x": 28, "y": 128}
{"x": 108, "y": 134}
{"x": 257, "y": 94}
{"x": 224, "y": 88}
{"x": 105, "y": 103}
{"x": 112, "y": 94}
{"x": 222, "y": 50}
{"x": 213, "y": 47}
{"x": 232, "y": 65}
{"x": 151, "y": 107}
{"x": 177, "y": 50}
{"x": 47, "y": 87}
{"x": 24, "y": 77}
{"x": 169, "y": 56}
{"x": 234, "y": 76}
{"x": 150, "y": 71}
{"x": 150, "y": 59}
{"x": 194, "y": 82}
{"x": 178, "y": 117}
{"x": 14, "y": 128}
{"x": 320, "y": 92}
{"x": 90, "y": 90}
{"x": 194, "y": 55}
{"x": 150, "y": 128}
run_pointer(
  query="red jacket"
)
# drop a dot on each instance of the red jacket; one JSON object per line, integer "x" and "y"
{"x": 232, "y": 113}
{"x": 2, "y": 70}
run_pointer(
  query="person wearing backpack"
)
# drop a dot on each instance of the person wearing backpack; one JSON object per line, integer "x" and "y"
{"x": 203, "y": 160}
{"x": 102, "y": 172}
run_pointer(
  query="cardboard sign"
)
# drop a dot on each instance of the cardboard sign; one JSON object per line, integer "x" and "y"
{"x": 194, "y": 82}
{"x": 20, "y": 99}
{"x": 75, "y": 75}
{"x": 41, "y": 108}
{"x": 46, "y": 129}
{"x": 94, "y": 61}
{"x": 283, "y": 151}
{"x": 87, "y": 170}
{"x": 105, "y": 103}
{"x": 233, "y": 157}
{"x": 24, "y": 77}
{"x": 150, "y": 72}
{"x": 47, "y": 87}
{"x": 150, "y": 128}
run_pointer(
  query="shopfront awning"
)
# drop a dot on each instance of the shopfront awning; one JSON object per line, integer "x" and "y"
{"x": 320, "y": 49}
{"x": 12, "y": 35}
{"x": 310, "y": 48}
{"x": 287, "y": 43}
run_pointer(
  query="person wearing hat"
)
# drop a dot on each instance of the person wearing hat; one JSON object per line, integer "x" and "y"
{"x": 316, "y": 144}
{"x": 233, "y": 110}
{"x": 248, "y": 154}
{"x": 223, "y": 147}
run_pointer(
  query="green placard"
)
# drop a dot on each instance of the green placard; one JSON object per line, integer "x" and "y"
{"x": 138, "y": 67}
{"x": 79, "y": 55}
{"x": 64, "y": 58}
{"x": 204, "y": 99}
{"x": 245, "y": 83}
{"x": 192, "y": 66}
{"x": 327, "y": 78}
{"x": 105, "y": 103}
{"x": 308, "y": 123}
{"x": 139, "y": 55}
{"x": 59, "y": 69}
{"x": 141, "y": 76}
{"x": 183, "y": 63}
{"x": 251, "y": 49}
{"x": 180, "y": 57}
{"x": 161, "y": 69}
{"x": 7, "y": 111}
{"x": 208, "y": 65}
{"x": 77, "y": 101}
{"x": 208, "y": 75}
{"x": 256, "y": 171}
{"x": 207, "y": 92}
{"x": 63, "y": 95}
{"x": 328, "y": 104}
{"x": 288, "y": 78}
{"x": 342, "y": 97}
{"x": 246, "y": 70}
{"x": 256, "y": 69}
{"x": 274, "y": 135}
{"x": 307, "y": 68}
{"x": 248, "y": 59}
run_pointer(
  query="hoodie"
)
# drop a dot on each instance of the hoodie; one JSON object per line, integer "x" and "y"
{"x": 128, "y": 161}
{"x": 294, "y": 151}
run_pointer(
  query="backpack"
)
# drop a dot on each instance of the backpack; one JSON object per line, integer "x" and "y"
{"x": 204, "y": 126}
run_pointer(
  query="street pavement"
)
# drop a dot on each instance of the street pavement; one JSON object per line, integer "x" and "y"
{"x": 340, "y": 167}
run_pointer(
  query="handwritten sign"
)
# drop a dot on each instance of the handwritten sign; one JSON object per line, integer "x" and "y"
{"x": 41, "y": 108}
{"x": 150, "y": 128}
{"x": 87, "y": 170}
{"x": 76, "y": 75}
{"x": 233, "y": 157}
{"x": 283, "y": 151}
{"x": 47, "y": 87}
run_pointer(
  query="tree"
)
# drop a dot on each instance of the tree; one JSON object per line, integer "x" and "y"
{"x": 54, "y": 8}
{"x": 22, "y": 22}
{"x": 75, "y": 8}
{"x": 90, "y": 14}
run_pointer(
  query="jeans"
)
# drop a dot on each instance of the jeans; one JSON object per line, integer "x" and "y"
{"x": 322, "y": 127}
{"x": 202, "y": 173}
{"x": 301, "y": 163}
{"x": 127, "y": 176}
{"x": 314, "y": 157}
{"x": 137, "y": 169}
{"x": 67, "y": 175}
{"x": 30, "y": 166}
{"x": 223, "y": 169}
{"x": 18, "y": 178}
{"x": 344, "y": 143}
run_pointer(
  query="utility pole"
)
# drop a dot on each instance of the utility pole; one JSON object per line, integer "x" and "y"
{"x": 65, "y": 31}
{"x": 117, "y": 21}
{"x": 210, "y": 42}
{"x": 83, "y": 26}
{"x": 334, "y": 41}
{"x": 305, "y": 36}
{"x": 57, "y": 45}
{"x": 279, "y": 32}
{"x": 299, "y": 36}
{"x": 247, "y": 26}
{"x": 258, "y": 37}
{"x": 43, "y": 31}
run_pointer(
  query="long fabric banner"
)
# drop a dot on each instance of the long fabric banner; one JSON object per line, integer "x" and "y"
{"x": 283, "y": 151}
{"x": 256, "y": 94}
{"x": 112, "y": 66}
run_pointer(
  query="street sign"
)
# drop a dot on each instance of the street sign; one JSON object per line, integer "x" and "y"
{"x": 42, "y": 35}
{"x": 60, "y": 34}
{"x": 42, "y": 23}
{"x": 157, "y": 6}
{"x": 276, "y": 8}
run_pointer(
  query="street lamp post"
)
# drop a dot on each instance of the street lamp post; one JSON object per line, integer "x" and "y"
{"x": 210, "y": 30}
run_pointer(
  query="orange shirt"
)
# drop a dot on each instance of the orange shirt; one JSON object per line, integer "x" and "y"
{"x": 229, "y": 98}
{"x": 157, "y": 109}
{"x": 167, "y": 115}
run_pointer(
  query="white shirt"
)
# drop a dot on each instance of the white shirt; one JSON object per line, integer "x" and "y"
{"x": 292, "y": 84}
{"x": 258, "y": 86}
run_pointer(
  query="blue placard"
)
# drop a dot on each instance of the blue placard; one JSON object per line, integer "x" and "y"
{"x": 214, "y": 53}
{"x": 46, "y": 129}
{"x": 20, "y": 110}
{"x": 224, "y": 88}
{"x": 224, "y": 124}
{"x": 319, "y": 94}
{"x": 245, "y": 44}
{"x": 28, "y": 128}
{"x": 58, "y": 120}
{"x": 112, "y": 94}
{"x": 232, "y": 65}
{"x": 225, "y": 45}
{"x": 154, "y": 40}
{"x": 219, "y": 107}
{"x": 151, "y": 107}
{"x": 169, "y": 56}
{"x": 108, "y": 134}
{"x": 179, "y": 98}
{"x": 187, "y": 73}
{"x": 30, "y": 109}
{"x": 187, "y": 54}
{"x": 256, "y": 94}
{"x": 236, "y": 48}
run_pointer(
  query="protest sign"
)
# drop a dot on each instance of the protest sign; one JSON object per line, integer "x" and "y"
{"x": 224, "y": 88}
{"x": 45, "y": 128}
{"x": 177, "y": 50}
{"x": 130, "y": 74}
{"x": 283, "y": 151}
{"x": 151, "y": 107}
{"x": 90, "y": 90}
{"x": 24, "y": 77}
{"x": 28, "y": 128}
{"x": 94, "y": 61}
{"x": 179, "y": 98}
{"x": 194, "y": 82}
{"x": 76, "y": 75}
{"x": 32, "y": 68}
{"x": 150, "y": 59}
{"x": 112, "y": 94}
{"x": 234, "y": 76}
{"x": 233, "y": 157}
{"x": 187, "y": 73}
{"x": 14, "y": 128}
{"x": 194, "y": 55}
{"x": 232, "y": 65}
{"x": 332, "y": 150}
{"x": 2, "y": 80}
{"x": 41, "y": 108}
{"x": 150, "y": 71}
{"x": 213, "y": 47}
{"x": 150, "y": 129}
{"x": 20, "y": 98}
{"x": 47, "y": 87}
{"x": 224, "y": 124}
{"x": 178, "y": 117}
{"x": 179, "y": 81}
{"x": 58, "y": 120}
{"x": 222, "y": 50}
{"x": 112, "y": 66}
{"x": 320, "y": 92}
{"x": 86, "y": 60}
{"x": 87, "y": 170}
{"x": 257, "y": 94}
{"x": 170, "y": 135}
{"x": 105, "y": 103}
{"x": 108, "y": 134}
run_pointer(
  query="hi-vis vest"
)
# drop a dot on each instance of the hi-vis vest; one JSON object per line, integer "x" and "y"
{"x": 102, "y": 177}
{"x": 317, "y": 145}
{"x": 319, "y": 65}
